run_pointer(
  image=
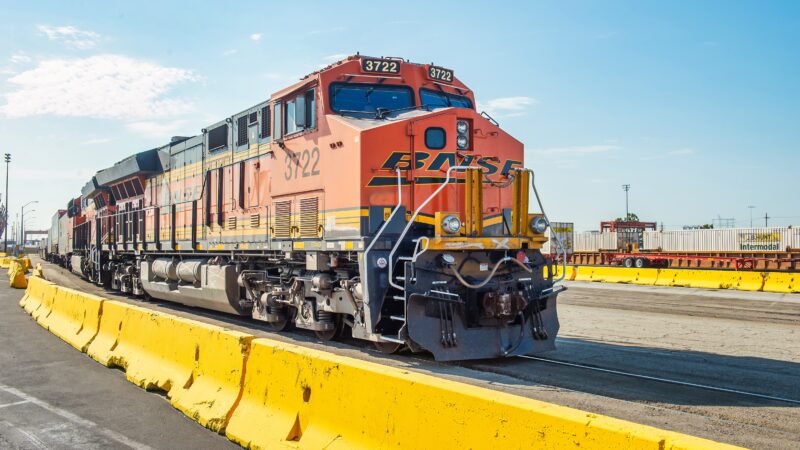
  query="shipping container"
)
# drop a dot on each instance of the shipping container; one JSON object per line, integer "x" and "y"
{"x": 592, "y": 241}
{"x": 774, "y": 239}
{"x": 565, "y": 232}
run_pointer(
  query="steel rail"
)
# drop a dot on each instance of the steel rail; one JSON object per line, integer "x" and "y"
{"x": 664, "y": 380}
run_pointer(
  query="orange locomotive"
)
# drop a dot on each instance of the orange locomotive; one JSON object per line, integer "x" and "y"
{"x": 370, "y": 197}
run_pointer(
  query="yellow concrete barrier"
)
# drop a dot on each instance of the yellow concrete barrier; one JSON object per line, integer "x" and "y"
{"x": 26, "y": 263}
{"x": 647, "y": 277}
{"x": 667, "y": 277}
{"x": 37, "y": 272}
{"x": 200, "y": 368}
{"x": 313, "y": 399}
{"x": 74, "y": 317}
{"x": 558, "y": 269}
{"x": 750, "y": 281}
{"x": 265, "y": 394}
{"x": 785, "y": 282}
{"x": 16, "y": 276}
{"x": 613, "y": 275}
{"x": 782, "y": 282}
{"x": 38, "y": 289}
{"x": 706, "y": 279}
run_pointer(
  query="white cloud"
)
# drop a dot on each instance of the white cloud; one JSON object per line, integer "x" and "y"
{"x": 161, "y": 129}
{"x": 580, "y": 149}
{"x": 256, "y": 37}
{"x": 71, "y": 36}
{"x": 20, "y": 58}
{"x": 336, "y": 57}
{"x": 101, "y": 86}
{"x": 507, "y": 106}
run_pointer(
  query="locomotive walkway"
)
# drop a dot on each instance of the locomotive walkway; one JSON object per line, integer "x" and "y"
{"x": 733, "y": 340}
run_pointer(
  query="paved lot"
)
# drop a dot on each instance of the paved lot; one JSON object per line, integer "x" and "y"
{"x": 54, "y": 397}
{"x": 738, "y": 340}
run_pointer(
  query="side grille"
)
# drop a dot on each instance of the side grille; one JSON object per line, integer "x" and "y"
{"x": 255, "y": 220}
{"x": 309, "y": 217}
{"x": 231, "y": 223}
{"x": 265, "y": 122}
{"x": 241, "y": 128}
{"x": 283, "y": 219}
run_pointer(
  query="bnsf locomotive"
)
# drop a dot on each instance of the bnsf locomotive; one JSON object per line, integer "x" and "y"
{"x": 368, "y": 198}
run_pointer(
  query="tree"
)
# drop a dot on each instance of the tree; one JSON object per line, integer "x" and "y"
{"x": 631, "y": 217}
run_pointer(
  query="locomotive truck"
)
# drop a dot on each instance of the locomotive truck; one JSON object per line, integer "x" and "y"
{"x": 369, "y": 198}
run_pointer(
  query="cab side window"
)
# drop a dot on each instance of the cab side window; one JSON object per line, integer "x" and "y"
{"x": 301, "y": 112}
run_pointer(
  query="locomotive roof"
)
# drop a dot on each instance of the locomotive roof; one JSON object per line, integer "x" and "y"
{"x": 90, "y": 188}
{"x": 148, "y": 162}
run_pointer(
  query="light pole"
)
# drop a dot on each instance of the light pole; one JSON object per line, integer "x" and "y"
{"x": 5, "y": 231}
{"x": 751, "y": 215}
{"x": 22, "y": 221}
{"x": 626, "y": 188}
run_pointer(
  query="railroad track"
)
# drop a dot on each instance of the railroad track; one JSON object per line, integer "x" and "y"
{"x": 663, "y": 380}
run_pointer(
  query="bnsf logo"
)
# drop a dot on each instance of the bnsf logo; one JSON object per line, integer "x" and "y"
{"x": 425, "y": 161}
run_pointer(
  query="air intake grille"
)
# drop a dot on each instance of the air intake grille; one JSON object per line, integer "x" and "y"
{"x": 309, "y": 217}
{"x": 231, "y": 223}
{"x": 265, "y": 122}
{"x": 255, "y": 220}
{"x": 283, "y": 219}
{"x": 241, "y": 129}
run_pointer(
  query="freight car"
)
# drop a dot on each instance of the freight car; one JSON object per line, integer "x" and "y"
{"x": 639, "y": 244}
{"x": 368, "y": 198}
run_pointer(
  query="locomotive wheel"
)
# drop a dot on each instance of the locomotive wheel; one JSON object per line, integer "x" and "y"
{"x": 336, "y": 334}
{"x": 283, "y": 325}
{"x": 388, "y": 347}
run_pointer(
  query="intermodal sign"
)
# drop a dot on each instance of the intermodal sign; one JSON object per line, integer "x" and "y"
{"x": 760, "y": 241}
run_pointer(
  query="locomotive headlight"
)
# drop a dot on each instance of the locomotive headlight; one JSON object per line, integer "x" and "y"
{"x": 538, "y": 225}
{"x": 462, "y": 131}
{"x": 451, "y": 224}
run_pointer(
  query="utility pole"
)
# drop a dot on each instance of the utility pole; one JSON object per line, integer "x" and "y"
{"x": 5, "y": 231}
{"x": 751, "y": 215}
{"x": 22, "y": 222}
{"x": 626, "y": 188}
{"x": 766, "y": 220}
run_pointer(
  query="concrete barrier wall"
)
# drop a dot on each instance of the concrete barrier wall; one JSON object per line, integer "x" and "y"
{"x": 707, "y": 279}
{"x": 263, "y": 393}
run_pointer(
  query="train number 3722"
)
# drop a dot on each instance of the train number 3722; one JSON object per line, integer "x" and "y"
{"x": 301, "y": 164}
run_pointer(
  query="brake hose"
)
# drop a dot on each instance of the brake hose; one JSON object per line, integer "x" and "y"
{"x": 491, "y": 274}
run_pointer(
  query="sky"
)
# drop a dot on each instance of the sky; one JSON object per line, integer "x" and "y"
{"x": 696, "y": 105}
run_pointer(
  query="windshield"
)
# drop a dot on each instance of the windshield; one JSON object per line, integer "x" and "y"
{"x": 367, "y": 98}
{"x": 437, "y": 99}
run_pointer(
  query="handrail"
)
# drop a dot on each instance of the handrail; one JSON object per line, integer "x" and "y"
{"x": 563, "y": 251}
{"x": 413, "y": 217}
{"x": 386, "y": 222}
